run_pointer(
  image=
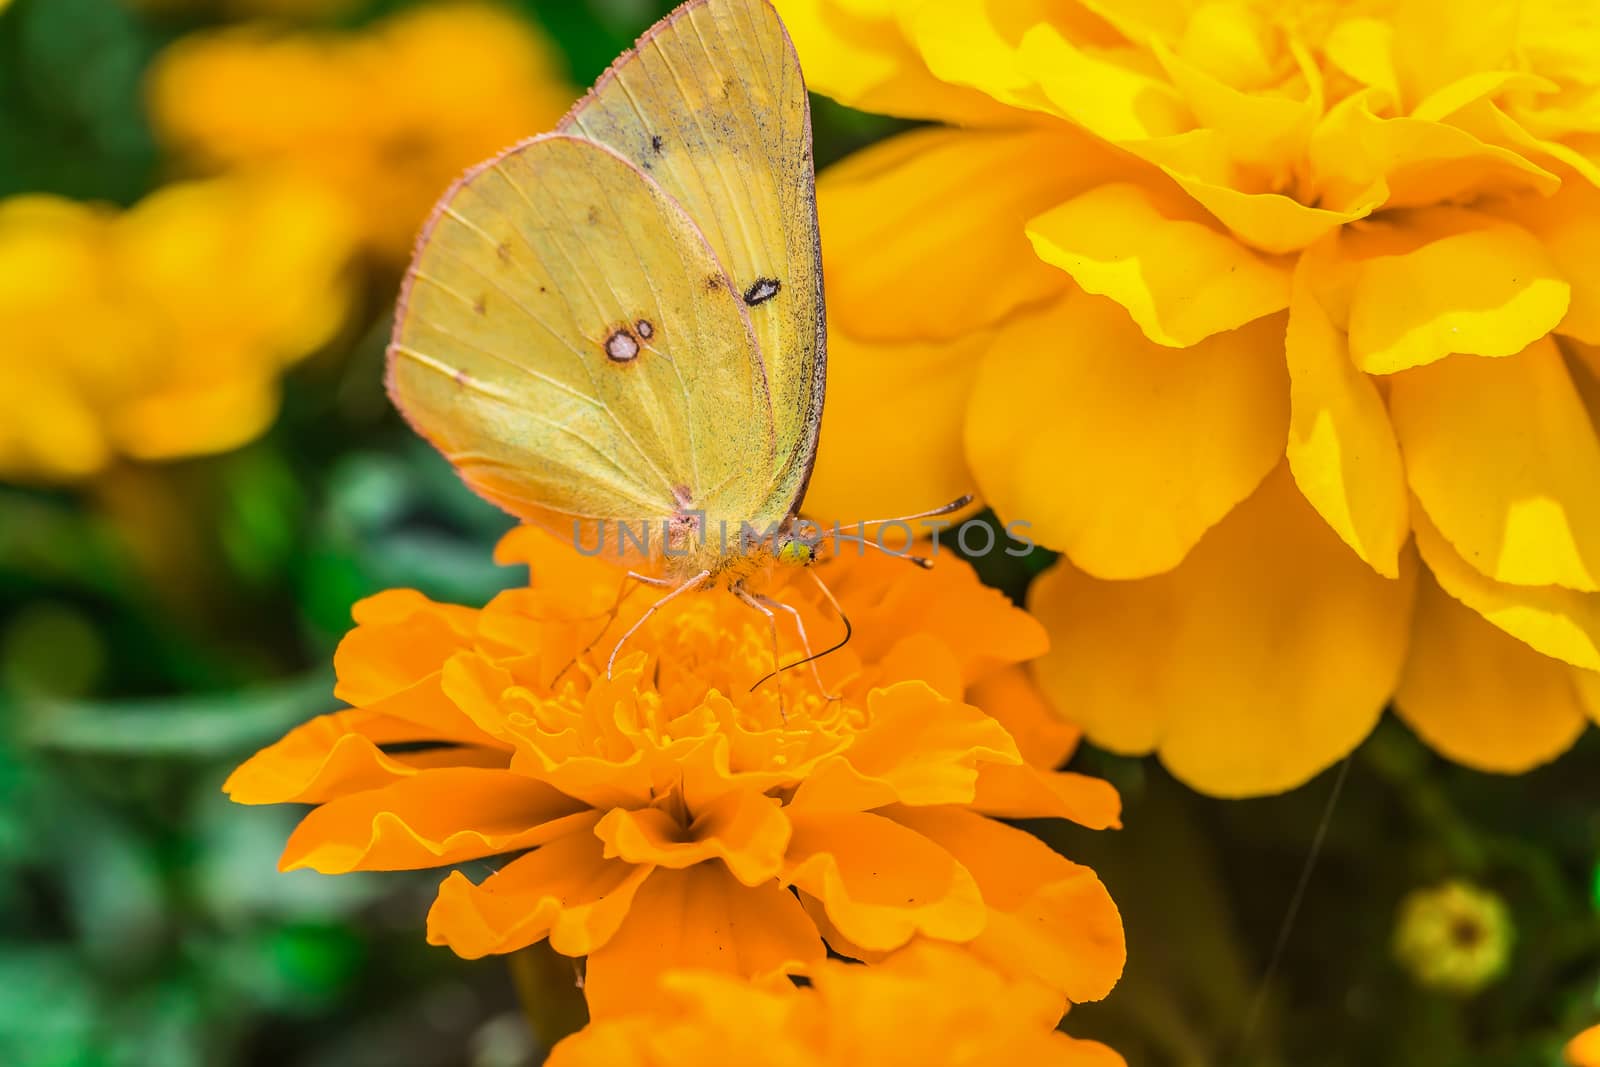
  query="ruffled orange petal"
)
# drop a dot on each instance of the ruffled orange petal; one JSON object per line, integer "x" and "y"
{"x": 1011, "y": 696}
{"x": 700, "y": 917}
{"x": 330, "y": 756}
{"x": 747, "y": 831}
{"x": 565, "y": 890}
{"x": 403, "y": 826}
{"x": 1025, "y": 792}
{"x": 917, "y": 747}
{"x": 1048, "y": 917}
{"x": 880, "y": 883}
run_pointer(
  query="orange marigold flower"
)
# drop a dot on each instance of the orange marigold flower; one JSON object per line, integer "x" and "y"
{"x": 927, "y": 1006}
{"x": 145, "y": 333}
{"x": 1584, "y": 1050}
{"x": 665, "y": 814}
{"x": 385, "y": 117}
{"x": 1248, "y": 308}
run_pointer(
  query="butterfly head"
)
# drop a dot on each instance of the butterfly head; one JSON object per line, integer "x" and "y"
{"x": 794, "y": 550}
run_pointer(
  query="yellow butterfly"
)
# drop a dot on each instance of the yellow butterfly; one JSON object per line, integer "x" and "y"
{"x": 617, "y": 329}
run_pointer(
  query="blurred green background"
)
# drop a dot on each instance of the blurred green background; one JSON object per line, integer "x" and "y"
{"x": 160, "y": 621}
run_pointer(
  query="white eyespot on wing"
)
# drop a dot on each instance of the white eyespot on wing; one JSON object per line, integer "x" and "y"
{"x": 622, "y": 347}
{"x": 646, "y": 330}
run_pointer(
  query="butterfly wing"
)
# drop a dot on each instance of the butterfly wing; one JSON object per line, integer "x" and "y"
{"x": 712, "y": 105}
{"x": 569, "y": 341}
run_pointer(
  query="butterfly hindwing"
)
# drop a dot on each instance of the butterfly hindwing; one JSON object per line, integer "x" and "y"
{"x": 711, "y": 104}
{"x": 569, "y": 340}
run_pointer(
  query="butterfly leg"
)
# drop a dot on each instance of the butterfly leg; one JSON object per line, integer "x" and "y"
{"x": 772, "y": 620}
{"x": 611, "y": 617}
{"x": 688, "y": 586}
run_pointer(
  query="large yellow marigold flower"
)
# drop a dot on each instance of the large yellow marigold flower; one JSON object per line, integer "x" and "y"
{"x": 385, "y": 117}
{"x": 927, "y": 1006}
{"x": 1236, "y": 303}
{"x": 160, "y": 331}
{"x": 677, "y": 819}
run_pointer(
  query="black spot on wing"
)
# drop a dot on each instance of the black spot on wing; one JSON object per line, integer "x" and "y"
{"x": 655, "y": 143}
{"x": 761, "y": 290}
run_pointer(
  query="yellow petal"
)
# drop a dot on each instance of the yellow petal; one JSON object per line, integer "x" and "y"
{"x": 860, "y": 58}
{"x": 1113, "y": 92}
{"x": 1271, "y": 221}
{"x": 1490, "y": 290}
{"x": 1557, "y": 622}
{"x": 1116, "y": 451}
{"x": 920, "y": 387}
{"x": 1480, "y": 696}
{"x": 700, "y": 918}
{"x": 1528, "y": 513}
{"x": 1362, "y": 48}
{"x": 1181, "y": 280}
{"x": 1342, "y": 448}
{"x": 1265, "y": 132}
{"x": 1023, "y": 792}
{"x": 1434, "y": 45}
{"x": 881, "y": 883}
{"x": 923, "y": 233}
{"x": 1568, "y": 224}
{"x": 1263, "y": 658}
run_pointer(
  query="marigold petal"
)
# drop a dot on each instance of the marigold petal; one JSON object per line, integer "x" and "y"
{"x": 700, "y": 918}
{"x": 746, "y": 830}
{"x": 1161, "y": 446}
{"x": 917, "y": 384}
{"x": 1273, "y": 222}
{"x": 1435, "y": 46}
{"x": 1342, "y": 447}
{"x": 1489, "y": 290}
{"x": 1481, "y": 697}
{"x": 327, "y": 757}
{"x": 1179, "y": 279}
{"x": 1048, "y": 917}
{"x": 565, "y": 890}
{"x": 1584, "y": 1049}
{"x": 1568, "y": 225}
{"x": 1024, "y": 792}
{"x": 402, "y": 826}
{"x": 880, "y": 883}
{"x": 1263, "y": 658}
{"x": 1558, "y": 622}
{"x": 914, "y": 252}
{"x": 917, "y": 747}
{"x": 860, "y": 58}
{"x": 400, "y": 638}
{"x": 1529, "y": 514}
{"x": 1044, "y": 738}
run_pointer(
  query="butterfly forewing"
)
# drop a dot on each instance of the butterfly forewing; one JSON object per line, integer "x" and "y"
{"x": 570, "y": 341}
{"x": 712, "y": 105}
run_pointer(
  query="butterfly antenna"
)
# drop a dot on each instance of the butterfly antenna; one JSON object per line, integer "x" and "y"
{"x": 812, "y": 657}
{"x": 691, "y": 584}
{"x": 924, "y": 562}
{"x": 765, "y": 604}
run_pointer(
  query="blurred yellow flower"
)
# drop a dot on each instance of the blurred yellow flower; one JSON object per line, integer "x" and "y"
{"x": 1232, "y": 302}
{"x": 927, "y": 1006}
{"x": 385, "y": 117}
{"x": 159, "y": 331}
{"x": 1455, "y": 938}
{"x": 241, "y": 8}
{"x": 675, "y": 817}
